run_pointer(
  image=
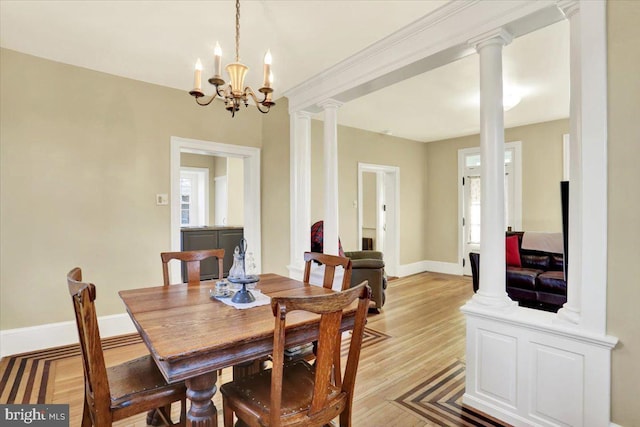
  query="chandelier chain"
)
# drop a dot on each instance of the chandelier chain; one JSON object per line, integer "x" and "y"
{"x": 237, "y": 30}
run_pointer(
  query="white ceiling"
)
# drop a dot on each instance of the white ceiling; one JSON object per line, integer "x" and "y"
{"x": 159, "y": 42}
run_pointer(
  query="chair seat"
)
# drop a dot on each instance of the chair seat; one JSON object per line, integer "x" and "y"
{"x": 140, "y": 378}
{"x": 253, "y": 394}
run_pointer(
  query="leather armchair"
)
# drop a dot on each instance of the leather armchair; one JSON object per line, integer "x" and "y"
{"x": 369, "y": 265}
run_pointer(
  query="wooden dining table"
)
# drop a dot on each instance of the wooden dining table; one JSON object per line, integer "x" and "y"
{"x": 191, "y": 335}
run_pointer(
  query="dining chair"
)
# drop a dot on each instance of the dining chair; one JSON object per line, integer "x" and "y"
{"x": 192, "y": 259}
{"x": 116, "y": 392}
{"x": 298, "y": 394}
{"x": 330, "y": 263}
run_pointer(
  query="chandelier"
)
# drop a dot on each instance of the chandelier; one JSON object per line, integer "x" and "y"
{"x": 235, "y": 93}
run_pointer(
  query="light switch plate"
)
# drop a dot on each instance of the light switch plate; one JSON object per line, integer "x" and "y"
{"x": 162, "y": 199}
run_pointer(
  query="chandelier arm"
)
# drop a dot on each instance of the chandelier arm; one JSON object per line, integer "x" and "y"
{"x": 250, "y": 92}
{"x": 261, "y": 110}
{"x": 211, "y": 98}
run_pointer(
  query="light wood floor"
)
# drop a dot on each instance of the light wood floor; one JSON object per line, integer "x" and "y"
{"x": 411, "y": 370}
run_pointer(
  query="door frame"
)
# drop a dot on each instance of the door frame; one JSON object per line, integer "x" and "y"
{"x": 392, "y": 238}
{"x": 517, "y": 183}
{"x": 252, "y": 214}
{"x": 216, "y": 210}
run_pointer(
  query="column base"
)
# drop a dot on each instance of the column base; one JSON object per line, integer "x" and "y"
{"x": 501, "y": 302}
{"x": 568, "y": 315}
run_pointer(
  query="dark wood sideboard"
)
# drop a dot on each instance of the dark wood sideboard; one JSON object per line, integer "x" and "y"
{"x": 196, "y": 238}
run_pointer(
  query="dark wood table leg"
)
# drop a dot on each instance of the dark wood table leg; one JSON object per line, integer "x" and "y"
{"x": 248, "y": 368}
{"x": 200, "y": 390}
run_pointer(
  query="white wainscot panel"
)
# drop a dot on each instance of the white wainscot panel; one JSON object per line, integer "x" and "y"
{"x": 497, "y": 377}
{"x": 557, "y": 386}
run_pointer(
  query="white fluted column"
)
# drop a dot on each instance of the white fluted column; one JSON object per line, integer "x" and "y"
{"x": 492, "y": 291}
{"x": 571, "y": 311}
{"x": 300, "y": 189}
{"x": 330, "y": 242}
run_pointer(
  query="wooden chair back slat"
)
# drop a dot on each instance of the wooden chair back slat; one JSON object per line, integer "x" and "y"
{"x": 330, "y": 263}
{"x": 192, "y": 259}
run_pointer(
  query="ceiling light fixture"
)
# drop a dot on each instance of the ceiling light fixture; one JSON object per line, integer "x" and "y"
{"x": 235, "y": 93}
{"x": 510, "y": 100}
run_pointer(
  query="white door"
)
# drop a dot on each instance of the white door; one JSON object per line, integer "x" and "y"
{"x": 387, "y": 229}
{"x": 381, "y": 218}
{"x": 369, "y": 208}
{"x": 471, "y": 217}
{"x": 471, "y": 198}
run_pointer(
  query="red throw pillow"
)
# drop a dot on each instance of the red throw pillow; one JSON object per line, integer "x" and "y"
{"x": 512, "y": 252}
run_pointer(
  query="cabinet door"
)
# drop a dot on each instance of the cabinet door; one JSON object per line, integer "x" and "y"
{"x": 193, "y": 240}
{"x": 228, "y": 239}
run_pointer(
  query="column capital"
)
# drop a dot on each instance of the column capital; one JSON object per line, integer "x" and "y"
{"x": 498, "y": 36}
{"x": 569, "y": 7}
{"x": 330, "y": 104}
{"x": 302, "y": 114}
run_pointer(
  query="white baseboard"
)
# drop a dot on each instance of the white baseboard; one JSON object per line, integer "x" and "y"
{"x": 444, "y": 267}
{"x": 413, "y": 268}
{"x": 495, "y": 411}
{"x": 21, "y": 340}
{"x": 426, "y": 265}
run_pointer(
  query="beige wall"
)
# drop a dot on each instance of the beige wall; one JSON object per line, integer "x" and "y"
{"x": 275, "y": 189}
{"x": 623, "y": 296}
{"x": 541, "y": 176}
{"x": 83, "y": 155}
{"x": 205, "y": 162}
{"x": 355, "y": 145}
{"x": 220, "y": 165}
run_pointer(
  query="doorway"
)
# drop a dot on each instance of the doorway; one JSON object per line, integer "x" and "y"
{"x": 469, "y": 196}
{"x": 250, "y": 157}
{"x": 380, "y": 220}
{"x": 194, "y": 196}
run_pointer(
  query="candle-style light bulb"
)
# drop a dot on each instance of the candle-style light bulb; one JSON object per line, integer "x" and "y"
{"x": 267, "y": 69}
{"x": 197, "y": 78}
{"x": 217, "y": 52}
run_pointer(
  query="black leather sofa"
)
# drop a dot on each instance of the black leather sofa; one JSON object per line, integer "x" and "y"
{"x": 539, "y": 283}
